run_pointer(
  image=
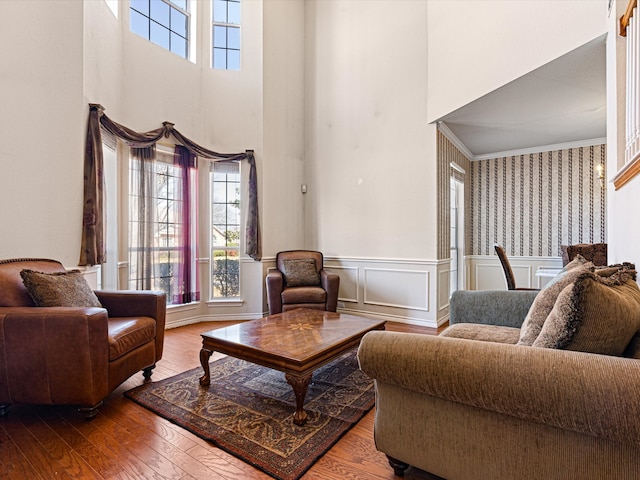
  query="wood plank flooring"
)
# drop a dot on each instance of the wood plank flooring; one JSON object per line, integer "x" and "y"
{"x": 126, "y": 441}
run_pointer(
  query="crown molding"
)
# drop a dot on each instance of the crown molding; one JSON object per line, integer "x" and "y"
{"x": 543, "y": 148}
{"x": 446, "y": 131}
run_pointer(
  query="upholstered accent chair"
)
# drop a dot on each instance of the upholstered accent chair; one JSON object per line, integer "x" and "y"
{"x": 594, "y": 252}
{"x": 508, "y": 271}
{"x": 301, "y": 281}
{"x": 71, "y": 355}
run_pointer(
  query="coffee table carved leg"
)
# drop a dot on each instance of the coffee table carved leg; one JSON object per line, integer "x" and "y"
{"x": 205, "y": 355}
{"x": 300, "y": 386}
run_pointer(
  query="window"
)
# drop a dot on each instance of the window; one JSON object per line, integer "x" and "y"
{"x": 164, "y": 22}
{"x": 161, "y": 203}
{"x": 226, "y": 34}
{"x": 225, "y": 230}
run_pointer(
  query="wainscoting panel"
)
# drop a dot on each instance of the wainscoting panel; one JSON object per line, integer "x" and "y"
{"x": 393, "y": 289}
{"x": 349, "y": 283}
{"x": 396, "y": 288}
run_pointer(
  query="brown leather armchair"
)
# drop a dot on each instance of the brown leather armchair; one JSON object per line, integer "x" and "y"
{"x": 73, "y": 355}
{"x": 291, "y": 287}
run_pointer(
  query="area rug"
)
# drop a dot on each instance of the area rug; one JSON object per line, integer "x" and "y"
{"x": 248, "y": 410}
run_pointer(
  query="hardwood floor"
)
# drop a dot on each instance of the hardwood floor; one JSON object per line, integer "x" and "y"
{"x": 126, "y": 441}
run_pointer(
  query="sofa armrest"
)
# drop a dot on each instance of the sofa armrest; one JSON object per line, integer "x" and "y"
{"x": 559, "y": 388}
{"x": 507, "y": 308}
{"x": 138, "y": 303}
{"x": 53, "y": 355}
{"x": 274, "y": 283}
{"x": 331, "y": 284}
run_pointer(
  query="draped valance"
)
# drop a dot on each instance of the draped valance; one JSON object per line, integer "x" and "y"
{"x": 93, "y": 239}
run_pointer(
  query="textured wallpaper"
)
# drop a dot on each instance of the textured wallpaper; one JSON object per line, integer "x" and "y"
{"x": 448, "y": 153}
{"x": 533, "y": 203}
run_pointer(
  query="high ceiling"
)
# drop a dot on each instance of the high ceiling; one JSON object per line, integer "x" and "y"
{"x": 563, "y": 101}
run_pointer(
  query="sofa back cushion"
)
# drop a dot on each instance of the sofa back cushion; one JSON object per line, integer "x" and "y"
{"x": 594, "y": 314}
{"x": 546, "y": 299}
{"x": 13, "y": 293}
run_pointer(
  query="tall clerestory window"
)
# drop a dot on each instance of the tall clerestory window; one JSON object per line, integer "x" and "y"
{"x": 226, "y": 34}
{"x": 163, "y": 22}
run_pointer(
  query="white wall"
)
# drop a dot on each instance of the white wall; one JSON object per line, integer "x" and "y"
{"x": 283, "y": 83}
{"x": 477, "y": 46}
{"x": 370, "y": 154}
{"x": 42, "y": 122}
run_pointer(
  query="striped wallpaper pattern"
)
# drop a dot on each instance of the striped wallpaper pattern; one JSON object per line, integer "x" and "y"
{"x": 534, "y": 203}
{"x": 448, "y": 153}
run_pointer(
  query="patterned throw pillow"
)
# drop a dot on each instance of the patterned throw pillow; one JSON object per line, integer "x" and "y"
{"x": 59, "y": 289}
{"x": 594, "y": 314}
{"x": 301, "y": 272}
{"x": 546, "y": 299}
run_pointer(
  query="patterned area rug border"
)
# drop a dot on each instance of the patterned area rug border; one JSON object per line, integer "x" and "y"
{"x": 248, "y": 410}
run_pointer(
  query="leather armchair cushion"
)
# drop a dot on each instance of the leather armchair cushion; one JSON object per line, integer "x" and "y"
{"x": 304, "y": 295}
{"x": 301, "y": 272}
{"x": 128, "y": 333}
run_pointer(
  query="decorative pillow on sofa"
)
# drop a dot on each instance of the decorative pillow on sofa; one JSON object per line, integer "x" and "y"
{"x": 594, "y": 314}
{"x": 546, "y": 299}
{"x": 300, "y": 272}
{"x": 59, "y": 289}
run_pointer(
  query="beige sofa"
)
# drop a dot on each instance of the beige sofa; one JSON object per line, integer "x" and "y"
{"x": 490, "y": 408}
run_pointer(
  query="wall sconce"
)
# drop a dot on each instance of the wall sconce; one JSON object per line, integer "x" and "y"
{"x": 600, "y": 173}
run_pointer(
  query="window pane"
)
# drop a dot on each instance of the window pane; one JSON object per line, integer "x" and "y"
{"x": 160, "y": 12}
{"x": 233, "y": 59}
{"x": 178, "y": 22}
{"x": 139, "y": 24}
{"x": 219, "y": 194}
{"x": 178, "y": 45}
{"x": 159, "y": 35}
{"x": 141, "y": 5}
{"x": 233, "y": 193}
{"x": 233, "y": 216}
{"x": 234, "y": 13}
{"x": 219, "y": 37}
{"x": 226, "y": 274}
{"x": 219, "y": 58}
{"x": 219, "y": 213}
{"x": 220, "y": 11}
{"x": 233, "y": 38}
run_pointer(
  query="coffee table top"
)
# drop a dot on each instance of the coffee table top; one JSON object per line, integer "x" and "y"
{"x": 295, "y": 337}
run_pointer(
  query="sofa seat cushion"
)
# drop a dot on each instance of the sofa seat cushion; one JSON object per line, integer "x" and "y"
{"x": 546, "y": 299}
{"x": 128, "y": 333}
{"x": 483, "y": 333}
{"x": 594, "y": 314}
{"x": 304, "y": 295}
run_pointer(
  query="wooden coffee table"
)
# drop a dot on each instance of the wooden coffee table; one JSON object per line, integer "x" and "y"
{"x": 295, "y": 342}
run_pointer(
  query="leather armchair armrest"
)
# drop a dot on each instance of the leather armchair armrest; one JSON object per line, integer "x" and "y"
{"x": 53, "y": 355}
{"x": 331, "y": 284}
{"x": 138, "y": 303}
{"x": 560, "y": 388}
{"x": 274, "y": 283}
